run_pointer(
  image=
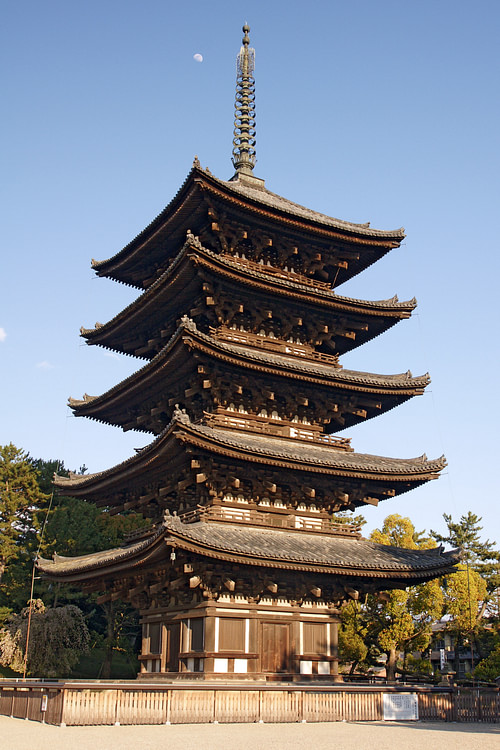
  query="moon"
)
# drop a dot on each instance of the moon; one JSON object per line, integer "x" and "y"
{"x": 198, "y": 57}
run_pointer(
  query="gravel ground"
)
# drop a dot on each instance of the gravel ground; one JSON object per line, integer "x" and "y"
{"x": 17, "y": 734}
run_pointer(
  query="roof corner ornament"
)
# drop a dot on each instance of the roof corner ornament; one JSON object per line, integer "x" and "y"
{"x": 191, "y": 239}
{"x": 181, "y": 415}
{"x": 196, "y": 163}
{"x": 188, "y": 323}
{"x": 244, "y": 154}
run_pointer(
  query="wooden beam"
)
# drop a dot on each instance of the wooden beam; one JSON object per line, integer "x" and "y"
{"x": 157, "y": 588}
{"x": 176, "y": 583}
{"x": 137, "y": 589}
{"x": 352, "y": 593}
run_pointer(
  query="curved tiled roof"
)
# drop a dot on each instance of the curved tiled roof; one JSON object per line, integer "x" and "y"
{"x": 280, "y": 285}
{"x": 255, "y": 192}
{"x": 309, "y": 368}
{"x": 251, "y": 189}
{"x": 330, "y": 553}
{"x": 278, "y": 548}
{"x": 275, "y": 451}
{"x": 110, "y": 557}
{"x": 319, "y": 455}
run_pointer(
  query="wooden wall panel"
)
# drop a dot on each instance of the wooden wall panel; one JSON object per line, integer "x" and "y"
{"x": 231, "y": 634}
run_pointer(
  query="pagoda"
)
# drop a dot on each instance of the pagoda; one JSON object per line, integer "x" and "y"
{"x": 244, "y": 567}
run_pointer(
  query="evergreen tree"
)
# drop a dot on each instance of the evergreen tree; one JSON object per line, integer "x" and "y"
{"x": 483, "y": 557}
{"x": 20, "y": 501}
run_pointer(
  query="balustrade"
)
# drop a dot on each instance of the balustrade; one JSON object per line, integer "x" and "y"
{"x": 275, "y": 427}
{"x": 279, "y": 346}
{"x": 266, "y": 267}
{"x": 253, "y": 517}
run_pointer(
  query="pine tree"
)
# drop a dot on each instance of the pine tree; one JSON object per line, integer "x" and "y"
{"x": 20, "y": 500}
{"x": 483, "y": 557}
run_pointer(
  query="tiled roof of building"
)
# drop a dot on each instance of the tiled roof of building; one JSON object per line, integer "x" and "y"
{"x": 270, "y": 359}
{"x": 255, "y": 194}
{"x": 281, "y": 285}
{"x": 252, "y": 190}
{"x": 319, "y": 455}
{"x": 270, "y": 450}
{"x": 264, "y": 547}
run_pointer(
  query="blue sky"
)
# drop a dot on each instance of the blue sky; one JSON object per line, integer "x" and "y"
{"x": 385, "y": 112}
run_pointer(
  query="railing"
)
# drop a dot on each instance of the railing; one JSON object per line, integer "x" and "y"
{"x": 279, "y": 346}
{"x": 280, "y": 273}
{"x": 99, "y": 703}
{"x": 277, "y": 428}
{"x": 253, "y": 517}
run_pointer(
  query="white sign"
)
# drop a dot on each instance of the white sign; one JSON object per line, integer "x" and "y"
{"x": 442, "y": 659}
{"x": 400, "y": 706}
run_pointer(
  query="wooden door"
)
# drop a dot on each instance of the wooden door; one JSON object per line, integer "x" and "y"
{"x": 275, "y": 647}
{"x": 173, "y": 636}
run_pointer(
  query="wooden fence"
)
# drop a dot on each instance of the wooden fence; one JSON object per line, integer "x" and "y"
{"x": 97, "y": 703}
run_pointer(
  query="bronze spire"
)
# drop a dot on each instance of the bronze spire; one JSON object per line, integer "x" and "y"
{"x": 244, "y": 111}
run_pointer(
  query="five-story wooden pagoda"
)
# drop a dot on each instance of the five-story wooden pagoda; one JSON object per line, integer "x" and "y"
{"x": 244, "y": 567}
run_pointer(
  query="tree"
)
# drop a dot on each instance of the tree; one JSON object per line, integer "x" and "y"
{"x": 480, "y": 556}
{"x": 20, "y": 499}
{"x": 62, "y": 631}
{"x": 489, "y": 669}
{"x": 352, "y": 636}
{"x": 465, "y": 592}
{"x": 401, "y": 620}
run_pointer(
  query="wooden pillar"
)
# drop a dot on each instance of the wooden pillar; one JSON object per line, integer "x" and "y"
{"x": 163, "y": 646}
{"x": 144, "y": 646}
{"x": 334, "y": 631}
{"x": 209, "y": 646}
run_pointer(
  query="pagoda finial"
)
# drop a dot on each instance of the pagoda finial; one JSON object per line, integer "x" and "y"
{"x": 244, "y": 111}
